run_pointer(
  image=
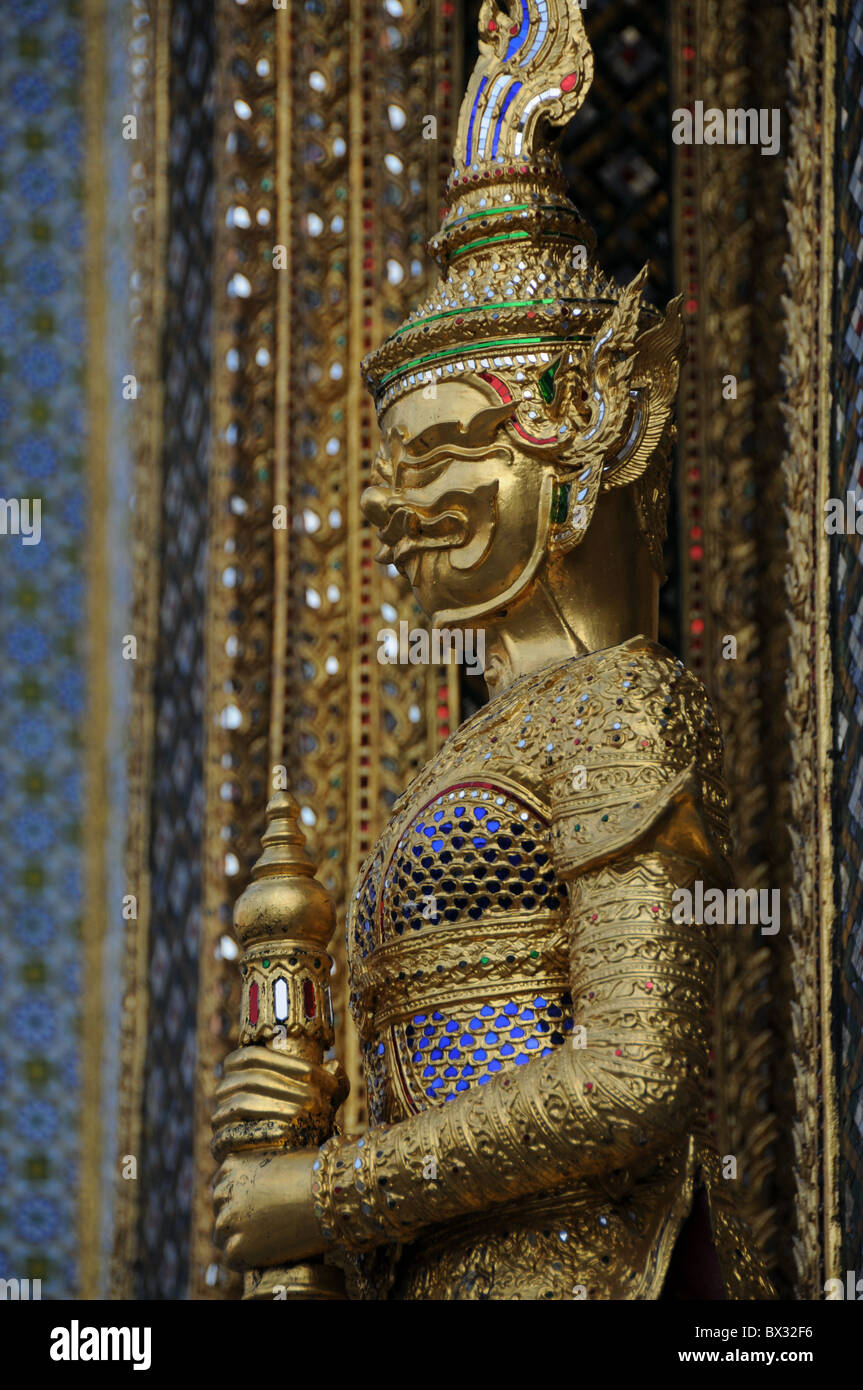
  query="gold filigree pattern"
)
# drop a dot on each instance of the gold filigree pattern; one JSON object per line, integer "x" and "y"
{"x": 240, "y": 581}
{"x": 148, "y": 84}
{"x": 806, "y": 365}
{"x": 731, "y": 537}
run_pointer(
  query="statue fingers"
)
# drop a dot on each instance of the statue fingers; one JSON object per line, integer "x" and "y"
{"x": 276, "y": 1058}
{"x": 230, "y": 1177}
{"x": 227, "y": 1232}
{"x": 275, "y": 1071}
{"x": 267, "y": 1083}
{"x": 250, "y": 1106}
{"x": 232, "y": 1247}
{"x": 273, "y": 1055}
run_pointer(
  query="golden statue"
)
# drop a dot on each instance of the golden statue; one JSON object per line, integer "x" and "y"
{"x": 534, "y": 1020}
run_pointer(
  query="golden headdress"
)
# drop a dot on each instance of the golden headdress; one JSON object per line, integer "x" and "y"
{"x": 589, "y": 371}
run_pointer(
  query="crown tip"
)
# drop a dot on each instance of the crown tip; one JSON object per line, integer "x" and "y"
{"x": 283, "y": 841}
{"x": 280, "y": 805}
{"x": 284, "y": 901}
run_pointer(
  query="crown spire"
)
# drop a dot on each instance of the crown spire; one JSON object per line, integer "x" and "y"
{"x": 507, "y": 242}
{"x": 535, "y": 66}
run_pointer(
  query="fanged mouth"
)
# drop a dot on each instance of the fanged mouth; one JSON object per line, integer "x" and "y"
{"x": 408, "y": 533}
{"x": 464, "y": 530}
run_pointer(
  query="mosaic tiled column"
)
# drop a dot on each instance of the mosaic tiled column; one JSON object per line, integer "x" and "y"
{"x": 325, "y": 191}
{"x": 729, "y": 237}
{"x": 65, "y": 230}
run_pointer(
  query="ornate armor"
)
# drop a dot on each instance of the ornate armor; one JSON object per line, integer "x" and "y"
{"x": 535, "y": 1029}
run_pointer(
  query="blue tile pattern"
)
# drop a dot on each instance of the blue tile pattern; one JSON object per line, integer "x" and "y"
{"x": 467, "y": 858}
{"x": 471, "y": 866}
{"x": 453, "y": 1052}
{"x": 43, "y": 671}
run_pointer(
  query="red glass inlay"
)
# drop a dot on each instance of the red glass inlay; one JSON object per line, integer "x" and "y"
{"x": 309, "y": 1003}
{"x": 253, "y": 1002}
{"x": 500, "y": 387}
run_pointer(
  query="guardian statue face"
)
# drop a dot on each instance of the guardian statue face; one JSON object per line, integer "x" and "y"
{"x": 460, "y": 509}
{"x": 526, "y": 384}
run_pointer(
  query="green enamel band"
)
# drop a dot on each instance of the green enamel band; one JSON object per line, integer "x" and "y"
{"x": 476, "y": 349}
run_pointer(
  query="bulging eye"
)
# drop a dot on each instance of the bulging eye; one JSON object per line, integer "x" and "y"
{"x": 420, "y": 475}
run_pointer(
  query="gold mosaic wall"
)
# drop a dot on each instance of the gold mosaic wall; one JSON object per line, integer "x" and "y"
{"x": 329, "y": 176}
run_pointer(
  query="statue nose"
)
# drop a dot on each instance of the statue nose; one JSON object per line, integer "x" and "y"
{"x": 375, "y": 505}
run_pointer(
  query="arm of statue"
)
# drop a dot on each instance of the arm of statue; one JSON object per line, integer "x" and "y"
{"x": 642, "y": 986}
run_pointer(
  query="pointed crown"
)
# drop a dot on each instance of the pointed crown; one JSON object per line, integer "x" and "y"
{"x": 519, "y": 302}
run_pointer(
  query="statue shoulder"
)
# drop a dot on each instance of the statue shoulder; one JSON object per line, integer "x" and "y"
{"x": 631, "y": 698}
{"x": 635, "y": 734}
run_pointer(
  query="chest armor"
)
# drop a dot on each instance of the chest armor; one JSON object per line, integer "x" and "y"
{"x": 457, "y": 948}
{"x": 458, "y": 932}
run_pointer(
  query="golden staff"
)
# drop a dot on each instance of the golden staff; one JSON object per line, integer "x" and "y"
{"x": 284, "y": 921}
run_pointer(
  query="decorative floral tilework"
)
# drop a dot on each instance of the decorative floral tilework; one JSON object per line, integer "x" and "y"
{"x": 43, "y": 674}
